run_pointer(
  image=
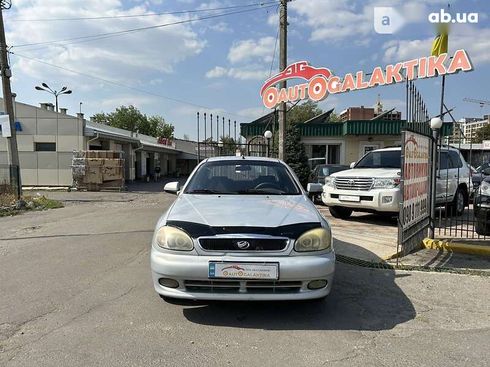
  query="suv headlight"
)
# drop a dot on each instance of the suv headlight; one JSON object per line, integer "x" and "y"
{"x": 386, "y": 183}
{"x": 172, "y": 238}
{"x": 485, "y": 188}
{"x": 330, "y": 181}
{"x": 317, "y": 239}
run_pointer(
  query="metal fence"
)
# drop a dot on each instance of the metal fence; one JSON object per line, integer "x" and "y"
{"x": 461, "y": 216}
{"x": 10, "y": 180}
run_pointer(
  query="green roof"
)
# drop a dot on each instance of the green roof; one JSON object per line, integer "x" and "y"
{"x": 353, "y": 127}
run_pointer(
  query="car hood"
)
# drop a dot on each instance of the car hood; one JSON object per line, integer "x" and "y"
{"x": 243, "y": 210}
{"x": 369, "y": 172}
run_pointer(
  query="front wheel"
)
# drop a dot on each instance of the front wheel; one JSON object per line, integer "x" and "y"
{"x": 340, "y": 212}
{"x": 457, "y": 206}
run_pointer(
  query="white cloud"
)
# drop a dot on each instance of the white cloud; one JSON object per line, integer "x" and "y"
{"x": 217, "y": 72}
{"x": 476, "y": 41}
{"x": 253, "y": 112}
{"x": 221, "y": 27}
{"x": 243, "y": 73}
{"x": 127, "y": 58}
{"x": 337, "y": 20}
{"x": 110, "y": 104}
{"x": 256, "y": 50}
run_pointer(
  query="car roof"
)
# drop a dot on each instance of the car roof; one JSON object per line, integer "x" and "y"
{"x": 443, "y": 147}
{"x": 242, "y": 158}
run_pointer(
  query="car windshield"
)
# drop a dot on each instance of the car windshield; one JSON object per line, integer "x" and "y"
{"x": 381, "y": 159}
{"x": 242, "y": 177}
{"x": 482, "y": 167}
{"x": 329, "y": 170}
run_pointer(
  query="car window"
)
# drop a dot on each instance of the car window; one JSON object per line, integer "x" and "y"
{"x": 455, "y": 159}
{"x": 235, "y": 177}
{"x": 482, "y": 167}
{"x": 381, "y": 159}
{"x": 444, "y": 160}
{"x": 325, "y": 171}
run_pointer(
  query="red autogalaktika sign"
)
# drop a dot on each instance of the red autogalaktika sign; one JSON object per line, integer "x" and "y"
{"x": 321, "y": 82}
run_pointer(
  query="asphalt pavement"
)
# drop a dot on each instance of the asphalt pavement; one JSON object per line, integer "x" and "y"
{"x": 76, "y": 290}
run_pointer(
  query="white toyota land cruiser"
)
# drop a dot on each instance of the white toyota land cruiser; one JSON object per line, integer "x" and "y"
{"x": 372, "y": 184}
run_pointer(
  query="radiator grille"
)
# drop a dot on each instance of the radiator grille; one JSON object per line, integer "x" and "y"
{"x": 242, "y": 286}
{"x": 243, "y": 244}
{"x": 353, "y": 183}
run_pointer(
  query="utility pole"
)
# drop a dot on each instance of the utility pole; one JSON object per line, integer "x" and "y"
{"x": 12, "y": 152}
{"x": 283, "y": 56}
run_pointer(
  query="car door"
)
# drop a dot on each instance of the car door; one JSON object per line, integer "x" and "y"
{"x": 443, "y": 174}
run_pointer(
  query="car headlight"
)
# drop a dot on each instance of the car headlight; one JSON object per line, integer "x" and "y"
{"x": 485, "y": 188}
{"x": 329, "y": 181}
{"x": 317, "y": 239}
{"x": 386, "y": 183}
{"x": 172, "y": 238}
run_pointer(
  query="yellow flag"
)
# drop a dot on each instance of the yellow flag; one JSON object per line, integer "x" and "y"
{"x": 439, "y": 46}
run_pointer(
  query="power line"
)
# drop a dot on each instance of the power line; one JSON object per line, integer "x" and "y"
{"x": 96, "y": 37}
{"x": 118, "y": 84}
{"x": 142, "y": 15}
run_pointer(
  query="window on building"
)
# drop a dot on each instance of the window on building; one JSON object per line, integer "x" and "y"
{"x": 333, "y": 154}
{"x": 318, "y": 151}
{"x": 45, "y": 147}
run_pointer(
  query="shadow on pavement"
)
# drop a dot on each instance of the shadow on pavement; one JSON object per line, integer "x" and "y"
{"x": 361, "y": 299}
{"x": 383, "y": 220}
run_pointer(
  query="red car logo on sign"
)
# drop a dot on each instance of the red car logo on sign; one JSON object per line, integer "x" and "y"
{"x": 300, "y": 70}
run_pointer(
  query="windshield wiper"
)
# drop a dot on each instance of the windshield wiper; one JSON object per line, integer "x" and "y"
{"x": 204, "y": 191}
{"x": 261, "y": 192}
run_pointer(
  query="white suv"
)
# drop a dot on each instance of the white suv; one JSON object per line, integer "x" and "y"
{"x": 372, "y": 185}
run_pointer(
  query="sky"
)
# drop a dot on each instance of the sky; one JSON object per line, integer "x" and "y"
{"x": 218, "y": 62}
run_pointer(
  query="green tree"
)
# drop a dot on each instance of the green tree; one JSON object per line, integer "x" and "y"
{"x": 100, "y": 118}
{"x": 160, "y": 128}
{"x": 334, "y": 117}
{"x": 229, "y": 145}
{"x": 295, "y": 154}
{"x": 130, "y": 118}
{"x": 303, "y": 112}
{"x": 482, "y": 134}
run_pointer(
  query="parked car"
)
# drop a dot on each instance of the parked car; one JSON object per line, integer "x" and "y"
{"x": 319, "y": 173}
{"x": 481, "y": 206}
{"x": 372, "y": 185}
{"x": 242, "y": 228}
{"x": 479, "y": 175}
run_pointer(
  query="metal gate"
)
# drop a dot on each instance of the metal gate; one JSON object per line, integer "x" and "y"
{"x": 417, "y": 144}
{"x": 215, "y": 139}
{"x": 462, "y": 209}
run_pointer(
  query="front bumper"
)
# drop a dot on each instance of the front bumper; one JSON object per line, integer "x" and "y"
{"x": 379, "y": 200}
{"x": 294, "y": 271}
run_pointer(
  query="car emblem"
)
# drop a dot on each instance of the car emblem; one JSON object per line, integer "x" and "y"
{"x": 351, "y": 182}
{"x": 243, "y": 245}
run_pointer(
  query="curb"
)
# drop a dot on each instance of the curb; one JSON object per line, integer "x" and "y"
{"x": 450, "y": 246}
{"x": 389, "y": 266}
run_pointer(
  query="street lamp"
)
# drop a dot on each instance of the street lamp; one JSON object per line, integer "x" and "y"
{"x": 55, "y": 93}
{"x": 268, "y": 136}
{"x": 435, "y": 125}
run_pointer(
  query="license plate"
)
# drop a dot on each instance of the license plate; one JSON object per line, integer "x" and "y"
{"x": 230, "y": 270}
{"x": 349, "y": 198}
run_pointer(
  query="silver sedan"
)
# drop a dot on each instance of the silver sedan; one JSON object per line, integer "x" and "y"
{"x": 242, "y": 228}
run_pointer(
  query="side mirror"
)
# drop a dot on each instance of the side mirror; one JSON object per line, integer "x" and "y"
{"x": 314, "y": 188}
{"x": 172, "y": 187}
{"x": 486, "y": 171}
{"x": 352, "y": 165}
